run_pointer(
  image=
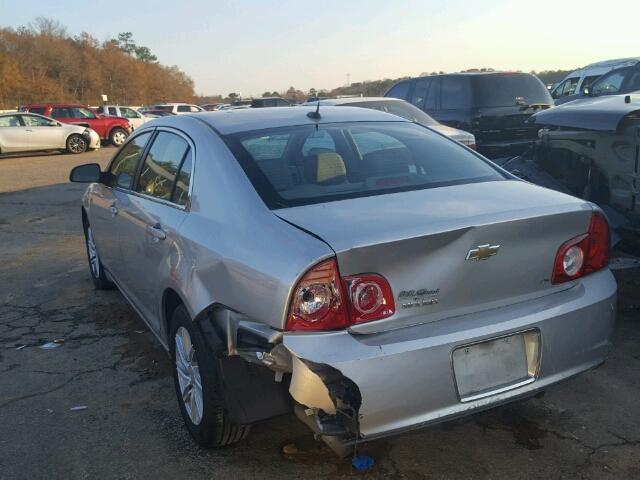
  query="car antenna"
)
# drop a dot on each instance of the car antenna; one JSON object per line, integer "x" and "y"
{"x": 315, "y": 115}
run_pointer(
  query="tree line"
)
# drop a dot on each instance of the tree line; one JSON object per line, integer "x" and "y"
{"x": 41, "y": 62}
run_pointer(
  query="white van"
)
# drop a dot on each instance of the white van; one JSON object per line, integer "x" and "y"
{"x": 573, "y": 85}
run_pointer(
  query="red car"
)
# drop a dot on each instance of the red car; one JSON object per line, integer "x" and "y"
{"x": 115, "y": 130}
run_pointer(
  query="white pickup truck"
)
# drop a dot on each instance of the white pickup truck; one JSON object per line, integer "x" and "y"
{"x": 136, "y": 119}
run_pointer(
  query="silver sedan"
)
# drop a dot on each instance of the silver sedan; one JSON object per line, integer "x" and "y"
{"x": 356, "y": 268}
{"x": 29, "y": 132}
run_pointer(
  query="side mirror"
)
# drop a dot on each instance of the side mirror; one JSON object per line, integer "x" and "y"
{"x": 88, "y": 173}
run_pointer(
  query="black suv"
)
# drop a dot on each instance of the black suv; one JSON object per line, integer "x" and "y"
{"x": 494, "y": 106}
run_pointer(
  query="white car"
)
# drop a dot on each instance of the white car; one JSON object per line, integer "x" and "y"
{"x": 178, "y": 108}
{"x": 572, "y": 86}
{"x": 136, "y": 119}
{"x": 29, "y": 132}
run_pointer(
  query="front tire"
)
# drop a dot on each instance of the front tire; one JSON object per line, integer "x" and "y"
{"x": 196, "y": 382}
{"x": 98, "y": 273}
{"x": 118, "y": 136}
{"x": 77, "y": 144}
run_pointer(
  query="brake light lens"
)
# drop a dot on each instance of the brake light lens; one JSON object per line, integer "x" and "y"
{"x": 318, "y": 302}
{"x": 322, "y": 300}
{"x": 583, "y": 254}
{"x": 370, "y": 298}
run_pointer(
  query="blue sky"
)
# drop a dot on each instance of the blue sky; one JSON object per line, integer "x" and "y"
{"x": 252, "y": 46}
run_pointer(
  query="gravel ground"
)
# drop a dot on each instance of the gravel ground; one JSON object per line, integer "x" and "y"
{"x": 588, "y": 427}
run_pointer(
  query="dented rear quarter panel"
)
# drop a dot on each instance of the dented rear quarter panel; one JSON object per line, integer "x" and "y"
{"x": 236, "y": 252}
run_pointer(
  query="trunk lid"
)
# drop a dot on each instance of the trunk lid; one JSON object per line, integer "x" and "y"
{"x": 420, "y": 240}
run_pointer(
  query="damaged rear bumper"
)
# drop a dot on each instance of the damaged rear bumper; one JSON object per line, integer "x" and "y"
{"x": 398, "y": 380}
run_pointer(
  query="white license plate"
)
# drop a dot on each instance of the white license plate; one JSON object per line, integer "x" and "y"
{"x": 491, "y": 366}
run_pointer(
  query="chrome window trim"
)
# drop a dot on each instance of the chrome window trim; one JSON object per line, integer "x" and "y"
{"x": 154, "y": 133}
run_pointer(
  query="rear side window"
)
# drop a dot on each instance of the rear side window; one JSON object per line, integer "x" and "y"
{"x": 9, "y": 121}
{"x": 124, "y": 166}
{"x": 38, "y": 110}
{"x": 161, "y": 166}
{"x": 420, "y": 89}
{"x": 509, "y": 89}
{"x": 363, "y": 159}
{"x": 113, "y": 111}
{"x": 184, "y": 108}
{"x": 455, "y": 93}
{"x": 401, "y": 90}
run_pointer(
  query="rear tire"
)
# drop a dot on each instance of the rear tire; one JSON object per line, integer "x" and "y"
{"x": 98, "y": 274}
{"x": 196, "y": 383}
{"x": 77, "y": 144}
{"x": 118, "y": 136}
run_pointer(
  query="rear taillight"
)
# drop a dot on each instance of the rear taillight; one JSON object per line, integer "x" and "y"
{"x": 322, "y": 300}
{"x": 583, "y": 254}
{"x": 370, "y": 297}
{"x": 472, "y": 146}
{"x": 318, "y": 301}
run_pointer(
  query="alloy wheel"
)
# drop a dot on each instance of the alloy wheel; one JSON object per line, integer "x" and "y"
{"x": 119, "y": 138}
{"x": 94, "y": 260}
{"x": 189, "y": 375}
{"x": 77, "y": 144}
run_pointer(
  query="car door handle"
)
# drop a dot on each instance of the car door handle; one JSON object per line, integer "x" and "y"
{"x": 114, "y": 210}
{"x": 29, "y": 130}
{"x": 156, "y": 231}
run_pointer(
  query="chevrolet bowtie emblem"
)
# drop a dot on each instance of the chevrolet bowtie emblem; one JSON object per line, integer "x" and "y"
{"x": 483, "y": 252}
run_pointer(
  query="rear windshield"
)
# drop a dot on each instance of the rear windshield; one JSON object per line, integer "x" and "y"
{"x": 506, "y": 90}
{"x": 300, "y": 165}
{"x": 163, "y": 108}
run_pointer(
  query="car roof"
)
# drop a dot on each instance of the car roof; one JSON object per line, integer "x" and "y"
{"x": 242, "y": 120}
{"x": 59, "y": 104}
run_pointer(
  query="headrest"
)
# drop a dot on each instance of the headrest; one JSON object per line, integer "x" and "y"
{"x": 325, "y": 168}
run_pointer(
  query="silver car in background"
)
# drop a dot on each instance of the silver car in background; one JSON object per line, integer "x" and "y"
{"x": 403, "y": 109}
{"x": 30, "y": 132}
{"x": 356, "y": 268}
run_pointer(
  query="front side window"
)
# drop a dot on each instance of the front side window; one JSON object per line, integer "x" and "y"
{"x": 60, "y": 112}
{"x": 363, "y": 159}
{"x": 610, "y": 83}
{"x": 123, "y": 168}
{"x": 160, "y": 168}
{"x": 9, "y": 121}
{"x": 128, "y": 113}
{"x": 568, "y": 87}
{"x": 455, "y": 93}
{"x": 33, "y": 121}
{"x": 400, "y": 90}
